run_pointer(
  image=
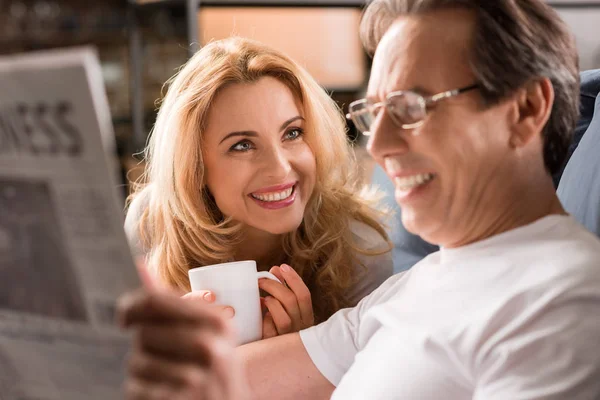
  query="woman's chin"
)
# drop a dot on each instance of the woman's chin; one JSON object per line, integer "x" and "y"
{"x": 278, "y": 227}
{"x": 282, "y": 230}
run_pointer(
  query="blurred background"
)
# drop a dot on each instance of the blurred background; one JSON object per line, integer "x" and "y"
{"x": 141, "y": 44}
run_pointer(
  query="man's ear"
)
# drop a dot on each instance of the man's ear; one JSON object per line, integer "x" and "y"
{"x": 533, "y": 105}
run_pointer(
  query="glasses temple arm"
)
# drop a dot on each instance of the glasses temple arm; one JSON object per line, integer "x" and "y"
{"x": 449, "y": 93}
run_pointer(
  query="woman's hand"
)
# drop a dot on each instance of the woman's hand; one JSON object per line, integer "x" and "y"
{"x": 289, "y": 304}
{"x": 208, "y": 298}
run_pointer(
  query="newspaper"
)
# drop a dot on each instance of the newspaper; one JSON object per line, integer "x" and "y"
{"x": 64, "y": 258}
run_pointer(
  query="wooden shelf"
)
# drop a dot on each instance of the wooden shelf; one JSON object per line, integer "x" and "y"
{"x": 66, "y": 40}
{"x": 574, "y": 4}
{"x": 256, "y": 3}
{"x": 322, "y": 3}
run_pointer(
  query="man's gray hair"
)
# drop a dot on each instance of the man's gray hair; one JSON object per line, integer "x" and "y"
{"x": 515, "y": 42}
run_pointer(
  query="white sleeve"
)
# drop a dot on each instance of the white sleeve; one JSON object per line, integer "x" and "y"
{"x": 554, "y": 357}
{"x": 333, "y": 344}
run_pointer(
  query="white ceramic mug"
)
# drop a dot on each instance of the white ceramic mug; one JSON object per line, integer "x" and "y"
{"x": 235, "y": 284}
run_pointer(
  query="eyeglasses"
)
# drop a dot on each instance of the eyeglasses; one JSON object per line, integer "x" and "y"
{"x": 407, "y": 109}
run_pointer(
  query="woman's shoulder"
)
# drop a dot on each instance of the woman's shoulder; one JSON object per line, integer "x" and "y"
{"x": 367, "y": 237}
{"x": 138, "y": 204}
{"x": 133, "y": 217}
{"x": 371, "y": 269}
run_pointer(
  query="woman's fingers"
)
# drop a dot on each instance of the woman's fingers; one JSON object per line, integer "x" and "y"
{"x": 275, "y": 271}
{"x": 208, "y": 297}
{"x": 226, "y": 312}
{"x": 283, "y": 322}
{"x": 269, "y": 328}
{"x": 286, "y": 299}
{"x": 201, "y": 295}
{"x": 302, "y": 293}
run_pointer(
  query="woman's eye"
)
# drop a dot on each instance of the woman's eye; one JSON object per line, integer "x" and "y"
{"x": 242, "y": 146}
{"x": 293, "y": 134}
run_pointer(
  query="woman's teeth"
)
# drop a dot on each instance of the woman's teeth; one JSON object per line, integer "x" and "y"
{"x": 409, "y": 182}
{"x": 275, "y": 196}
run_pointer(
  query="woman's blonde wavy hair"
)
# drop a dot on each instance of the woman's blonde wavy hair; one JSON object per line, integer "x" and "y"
{"x": 181, "y": 226}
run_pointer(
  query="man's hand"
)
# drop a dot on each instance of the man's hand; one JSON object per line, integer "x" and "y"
{"x": 182, "y": 350}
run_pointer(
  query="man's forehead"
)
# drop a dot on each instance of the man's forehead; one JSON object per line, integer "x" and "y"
{"x": 427, "y": 50}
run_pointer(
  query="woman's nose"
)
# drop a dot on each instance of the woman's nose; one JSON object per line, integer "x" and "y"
{"x": 277, "y": 163}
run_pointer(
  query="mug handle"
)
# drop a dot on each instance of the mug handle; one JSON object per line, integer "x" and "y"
{"x": 268, "y": 275}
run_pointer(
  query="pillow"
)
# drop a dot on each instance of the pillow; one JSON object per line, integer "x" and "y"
{"x": 590, "y": 86}
{"x": 579, "y": 187}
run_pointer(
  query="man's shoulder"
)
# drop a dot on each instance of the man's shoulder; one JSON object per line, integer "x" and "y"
{"x": 579, "y": 247}
{"x": 394, "y": 285}
{"x": 568, "y": 257}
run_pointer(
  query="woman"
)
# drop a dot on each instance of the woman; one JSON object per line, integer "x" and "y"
{"x": 249, "y": 160}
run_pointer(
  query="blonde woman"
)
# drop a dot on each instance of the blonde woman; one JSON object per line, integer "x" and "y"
{"x": 249, "y": 160}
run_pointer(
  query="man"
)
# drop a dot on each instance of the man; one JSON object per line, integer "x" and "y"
{"x": 470, "y": 108}
{"x": 575, "y": 192}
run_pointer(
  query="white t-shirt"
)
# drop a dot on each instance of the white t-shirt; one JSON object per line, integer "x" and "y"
{"x": 515, "y": 316}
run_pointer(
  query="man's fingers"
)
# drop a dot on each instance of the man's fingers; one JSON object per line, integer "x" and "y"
{"x": 303, "y": 296}
{"x": 142, "y": 306}
{"x": 139, "y": 389}
{"x": 136, "y": 389}
{"x": 178, "y": 342}
{"x": 183, "y": 361}
{"x": 152, "y": 368}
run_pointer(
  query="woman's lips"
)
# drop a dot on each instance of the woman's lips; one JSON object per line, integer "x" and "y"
{"x": 276, "y": 188}
{"x": 274, "y": 200}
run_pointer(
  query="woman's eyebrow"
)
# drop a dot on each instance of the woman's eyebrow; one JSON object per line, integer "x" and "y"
{"x": 289, "y": 121}
{"x": 254, "y": 134}
{"x": 240, "y": 133}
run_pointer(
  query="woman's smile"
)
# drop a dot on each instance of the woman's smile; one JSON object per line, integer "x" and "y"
{"x": 275, "y": 197}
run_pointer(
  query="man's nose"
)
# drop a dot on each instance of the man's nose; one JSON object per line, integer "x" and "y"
{"x": 386, "y": 138}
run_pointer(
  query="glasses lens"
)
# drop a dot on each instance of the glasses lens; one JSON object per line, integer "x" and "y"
{"x": 362, "y": 115}
{"x": 407, "y": 109}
